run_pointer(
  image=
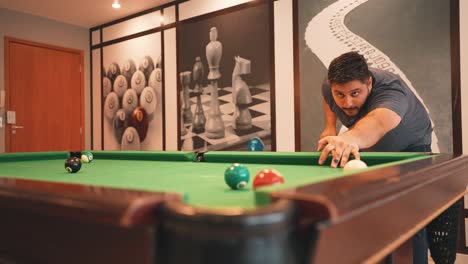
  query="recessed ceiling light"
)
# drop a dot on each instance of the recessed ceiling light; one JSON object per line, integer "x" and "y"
{"x": 116, "y": 4}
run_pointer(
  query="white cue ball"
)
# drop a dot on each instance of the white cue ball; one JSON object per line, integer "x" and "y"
{"x": 355, "y": 164}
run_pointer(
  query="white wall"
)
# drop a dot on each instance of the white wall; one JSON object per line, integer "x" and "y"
{"x": 33, "y": 28}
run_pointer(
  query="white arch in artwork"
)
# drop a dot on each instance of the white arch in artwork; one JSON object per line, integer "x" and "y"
{"x": 328, "y": 37}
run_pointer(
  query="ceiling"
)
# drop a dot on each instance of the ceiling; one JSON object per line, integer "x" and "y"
{"x": 83, "y": 13}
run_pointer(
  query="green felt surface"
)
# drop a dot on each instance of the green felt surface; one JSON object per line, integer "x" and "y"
{"x": 201, "y": 183}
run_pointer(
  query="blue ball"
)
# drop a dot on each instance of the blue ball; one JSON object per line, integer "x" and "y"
{"x": 255, "y": 144}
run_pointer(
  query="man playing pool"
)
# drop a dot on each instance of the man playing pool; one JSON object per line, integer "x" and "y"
{"x": 380, "y": 110}
{"x": 382, "y": 114}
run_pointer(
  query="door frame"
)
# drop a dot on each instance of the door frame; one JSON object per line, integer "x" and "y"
{"x": 9, "y": 40}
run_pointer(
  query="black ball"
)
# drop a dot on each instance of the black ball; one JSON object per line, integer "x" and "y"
{"x": 73, "y": 164}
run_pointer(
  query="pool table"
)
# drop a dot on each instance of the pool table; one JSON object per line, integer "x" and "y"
{"x": 174, "y": 207}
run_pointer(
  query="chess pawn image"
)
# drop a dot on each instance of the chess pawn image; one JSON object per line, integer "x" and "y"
{"x": 214, "y": 127}
{"x": 214, "y": 52}
{"x": 185, "y": 79}
{"x": 241, "y": 96}
{"x": 198, "y": 73}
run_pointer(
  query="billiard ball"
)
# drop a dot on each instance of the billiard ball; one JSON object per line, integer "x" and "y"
{"x": 73, "y": 164}
{"x": 129, "y": 101}
{"x": 237, "y": 176}
{"x": 355, "y": 164}
{"x": 111, "y": 105}
{"x": 119, "y": 123}
{"x": 139, "y": 120}
{"x": 255, "y": 144}
{"x": 128, "y": 69}
{"x": 146, "y": 66}
{"x": 148, "y": 101}
{"x": 120, "y": 85}
{"x": 113, "y": 72}
{"x": 130, "y": 139}
{"x": 138, "y": 82}
{"x": 87, "y": 157}
{"x": 267, "y": 177}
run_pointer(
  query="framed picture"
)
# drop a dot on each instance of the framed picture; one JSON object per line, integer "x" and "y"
{"x": 414, "y": 43}
{"x": 226, "y": 80}
{"x": 132, "y": 94}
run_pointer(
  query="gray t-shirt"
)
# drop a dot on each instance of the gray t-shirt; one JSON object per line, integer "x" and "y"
{"x": 391, "y": 92}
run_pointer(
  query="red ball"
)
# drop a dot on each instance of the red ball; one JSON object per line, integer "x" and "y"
{"x": 267, "y": 177}
{"x": 139, "y": 120}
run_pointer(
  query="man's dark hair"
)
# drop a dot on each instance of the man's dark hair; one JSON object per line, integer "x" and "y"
{"x": 348, "y": 67}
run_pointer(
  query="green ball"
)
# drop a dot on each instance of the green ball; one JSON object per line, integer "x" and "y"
{"x": 86, "y": 157}
{"x": 237, "y": 176}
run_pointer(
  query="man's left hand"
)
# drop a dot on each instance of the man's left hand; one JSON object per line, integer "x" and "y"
{"x": 341, "y": 147}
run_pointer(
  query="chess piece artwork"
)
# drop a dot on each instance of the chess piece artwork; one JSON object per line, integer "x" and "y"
{"x": 214, "y": 127}
{"x": 214, "y": 52}
{"x": 241, "y": 96}
{"x": 198, "y": 74}
{"x": 185, "y": 79}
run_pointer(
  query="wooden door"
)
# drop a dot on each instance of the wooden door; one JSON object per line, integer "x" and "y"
{"x": 44, "y": 87}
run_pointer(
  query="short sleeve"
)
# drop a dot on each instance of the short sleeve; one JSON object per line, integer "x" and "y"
{"x": 392, "y": 97}
{"x": 326, "y": 93}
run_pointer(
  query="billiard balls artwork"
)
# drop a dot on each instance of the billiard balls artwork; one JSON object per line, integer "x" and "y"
{"x": 267, "y": 177}
{"x": 237, "y": 176}
{"x": 139, "y": 120}
{"x": 355, "y": 164}
{"x": 87, "y": 157}
{"x": 255, "y": 144}
{"x": 73, "y": 164}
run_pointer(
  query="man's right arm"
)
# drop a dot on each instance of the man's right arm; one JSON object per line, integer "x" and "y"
{"x": 330, "y": 121}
